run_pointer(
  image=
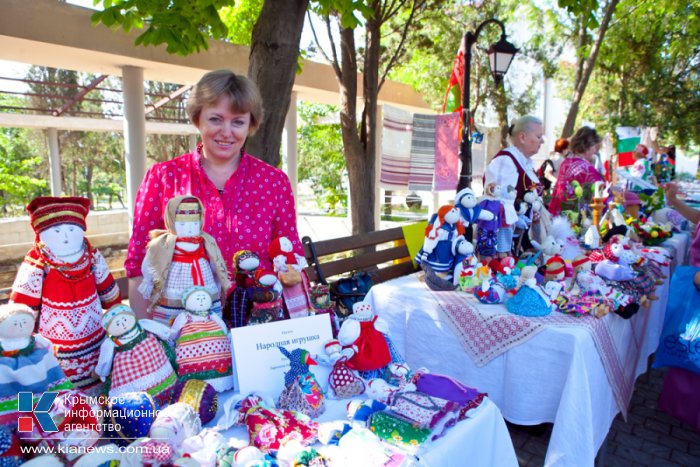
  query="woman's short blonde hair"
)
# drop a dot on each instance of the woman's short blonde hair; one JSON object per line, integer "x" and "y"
{"x": 243, "y": 93}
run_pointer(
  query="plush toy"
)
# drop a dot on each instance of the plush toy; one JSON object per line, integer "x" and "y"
{"x": 504, "y": 234}
{"x": 202, "y": 346}
{"x": 365, "y": 332}
{"x": 487, "y": 229}
{"x": 181, "y": 257}
{"x": 440, "y": 238}
{"x": 550, "y": 248}
{"x": 136, "y": 356}
{"x": 131, "y": 416}
{"x": 469, "y": 211}
{"x": 27, "y": 363}
{"x": 68, "y": 282}
{"x": 564, "y": 235}
{"x": 491, "y": 292}
{"x": 301, "y": 392}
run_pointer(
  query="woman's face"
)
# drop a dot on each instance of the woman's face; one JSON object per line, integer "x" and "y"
{"x": 529, "y": 141}
{"x": 223, "y": 132}
{"x": 590, "y": 153}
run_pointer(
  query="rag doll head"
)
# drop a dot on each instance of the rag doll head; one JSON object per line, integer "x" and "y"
{"x": 197, "y": 300}
{"x": 282, "y": 250}
{"x": 333, "y": 348}
{"x": 16, "y": 325}
{"x": 466, "y": 198}
{"x": 464, "y": 247}
{"x": 187, "y": 221}
{"x": 59, "y": 225}
{"x": 493, "y": 190}
{"x": 246, "y": 262}
{"x": 265, "y": 278}
{"x": 119, "y": 320}
{"x": 362, "y": 311}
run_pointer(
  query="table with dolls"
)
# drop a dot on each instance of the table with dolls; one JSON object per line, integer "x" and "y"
{"x": 161, "y": 391}
{"x": 557, "y": 336}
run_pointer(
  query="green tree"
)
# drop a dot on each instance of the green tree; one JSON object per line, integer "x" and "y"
{"x": 22, "y": 169}
{"x": 321, "y": 160}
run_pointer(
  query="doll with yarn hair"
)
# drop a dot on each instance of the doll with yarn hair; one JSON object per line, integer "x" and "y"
{"x": 68, "y": 283}
{"x": 440, "y": 237}
{"x": 202, "y": 346}
{"x": 136, "y": 356}
{"x": 181, "y": 257}
{"x": 27, "y": 363}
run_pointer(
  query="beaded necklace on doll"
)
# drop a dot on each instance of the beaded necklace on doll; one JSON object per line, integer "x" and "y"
{"x": 67, "y": 269}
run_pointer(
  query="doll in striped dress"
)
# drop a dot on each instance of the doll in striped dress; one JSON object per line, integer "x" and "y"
{"x": 181, "y": 257}
{"x": 202, "y": 346}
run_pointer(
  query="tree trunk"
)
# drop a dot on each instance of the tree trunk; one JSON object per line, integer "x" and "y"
{"x": 502, "y": 110}
{"x": 587, "y": 70}
{"x": 275, "y": 46}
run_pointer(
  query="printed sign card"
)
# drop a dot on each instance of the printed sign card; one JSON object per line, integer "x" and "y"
{"x": 258, "y": 364}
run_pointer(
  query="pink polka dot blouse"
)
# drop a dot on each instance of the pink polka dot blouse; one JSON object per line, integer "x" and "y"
{"x": 257, "y": 205}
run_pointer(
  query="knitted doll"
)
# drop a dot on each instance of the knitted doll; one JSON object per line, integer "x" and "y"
{"x": 68, "y": 282}
{"x": 487, "y": 230}
{"x": 469, "y": 211}
{"x": 202, "y": 346}
{"x": 181, "y": 257}
{"x": 464, "y": 273}
{"x": 27, "y": 363}
{"x": 440, "y": 237}
{"x": 136, "y": 356}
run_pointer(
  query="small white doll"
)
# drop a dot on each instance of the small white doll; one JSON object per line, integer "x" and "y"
{"x": 181, "y": 257}
{"x": 202, "y": 346}
{"x": 440, "y": 239}
{"x": 469, "y": 211}
{"x": 27, "y": 363}
{"x": 464, "y": 263}
{"x": 136, "y": 356}
{"x": 550, "y": 248}
{"x": 365, "y": 332}
{"x": 68, "y": 283}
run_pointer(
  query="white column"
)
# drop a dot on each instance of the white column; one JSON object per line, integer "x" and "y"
{"x": 378, "y": 169}
{"x": 193, "y": 143}
{"x": 290, "y": 127}
{"x": 134, "y": 133}
{"x": 54, "y": 162}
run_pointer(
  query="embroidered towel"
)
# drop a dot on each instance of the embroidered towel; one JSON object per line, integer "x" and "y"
{"x": 446, "y": 151}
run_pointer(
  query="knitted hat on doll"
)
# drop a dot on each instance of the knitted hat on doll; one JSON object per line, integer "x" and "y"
{"x": 47, "y": 211}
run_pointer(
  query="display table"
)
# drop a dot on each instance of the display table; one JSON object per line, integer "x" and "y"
{"x": 482, "y": 438}
{"x": 555, "y": 376}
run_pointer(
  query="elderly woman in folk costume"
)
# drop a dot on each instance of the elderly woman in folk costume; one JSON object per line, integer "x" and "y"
{"x": 68, "y": 283}
{"x": 181, "y": 257}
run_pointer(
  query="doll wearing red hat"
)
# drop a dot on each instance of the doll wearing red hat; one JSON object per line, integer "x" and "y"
{"x": 68, "y": 282}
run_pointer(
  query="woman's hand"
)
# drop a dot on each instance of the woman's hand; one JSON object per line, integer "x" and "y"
{"x": 671, "y": 190}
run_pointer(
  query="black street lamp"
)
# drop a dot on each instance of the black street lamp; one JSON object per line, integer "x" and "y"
{"x": 500, "y": 56}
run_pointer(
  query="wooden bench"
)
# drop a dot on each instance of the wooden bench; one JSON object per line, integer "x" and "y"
{"x": 382, "y": 253}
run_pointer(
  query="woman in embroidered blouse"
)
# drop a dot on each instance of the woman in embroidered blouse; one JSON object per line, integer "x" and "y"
{"x": 578, "y": 166}
{"x": 247, "y": 202}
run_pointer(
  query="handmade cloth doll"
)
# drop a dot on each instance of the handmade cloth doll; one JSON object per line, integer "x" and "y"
{"x": 504, "y": 234}
{"x": 181, "y": 257}
{"x": 136, "y": 356}
{"x": 611, "y": 298}
{"x": 289, "y": 267}
{"x": 365, "y": 333}
{"x": 438, "y": 247}
{"x": 68, "y": 282}
{"x": 202, "y": 346}
{"x": 554, "y": 269}
{"x": 27, "y": 363}
{"x": 463, "y": 250}
{"x": 301, "y": 392}
{"x": 237, "y": 306}
{"x": 530, "y": 300}
{"x": 469, "y": 211}
{"x": 617, "y": 270}
{"x": 173, "y": 425}
{"x": 266, "y": 301}
{"x": 491, "y": 292}
{"x": 342, "y": 380}
{"x": 487, "y": 230}
{"x": 199, "y": 395}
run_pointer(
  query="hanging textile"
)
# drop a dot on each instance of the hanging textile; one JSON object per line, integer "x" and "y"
{"x": 422, "y": 164}
{"x": 446, "y": 151}
{"x": 397, "y": 130}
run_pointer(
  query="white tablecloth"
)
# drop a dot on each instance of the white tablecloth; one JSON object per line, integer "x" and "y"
{"x": 482, "y": 439}
{"x": 557, "y": 376}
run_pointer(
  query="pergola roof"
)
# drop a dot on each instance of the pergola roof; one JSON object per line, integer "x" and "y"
{"x": 50, "y": 33}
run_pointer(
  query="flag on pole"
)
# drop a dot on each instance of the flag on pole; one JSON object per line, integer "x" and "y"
{"x": 627, "y": 139}
{"x": 455, "y": 87}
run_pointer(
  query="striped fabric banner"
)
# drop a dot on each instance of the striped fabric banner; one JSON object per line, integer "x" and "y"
{"x": 422, "y": 153}
{"x": 397, "y": 131}
{"x": 446, "y": 151}
{"x": 627, "y": 139}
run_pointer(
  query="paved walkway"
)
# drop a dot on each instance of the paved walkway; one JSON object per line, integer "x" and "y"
{"x": 648, "y": 438}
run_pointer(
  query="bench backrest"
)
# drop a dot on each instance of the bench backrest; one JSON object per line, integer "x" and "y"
{"x": 381, "y": 251}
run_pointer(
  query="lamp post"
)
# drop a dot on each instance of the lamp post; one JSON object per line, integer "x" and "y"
{"x": 500, "y": 56}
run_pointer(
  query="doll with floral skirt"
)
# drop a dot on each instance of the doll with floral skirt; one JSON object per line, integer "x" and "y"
{"x": 440, "y": 237}
{"x": 180, "y": 257}
{"x": 68, "y": 283}
{"x": 202, "y": 345}
{"x": 27, "y": 363}
{"x": 136, "y": 356}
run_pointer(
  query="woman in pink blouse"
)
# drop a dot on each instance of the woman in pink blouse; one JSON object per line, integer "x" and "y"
{"x": 578, "y": 166}
{"x": 247, "y": 202}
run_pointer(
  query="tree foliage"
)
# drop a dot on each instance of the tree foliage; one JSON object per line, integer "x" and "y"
{"x": 321, "y": 160}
